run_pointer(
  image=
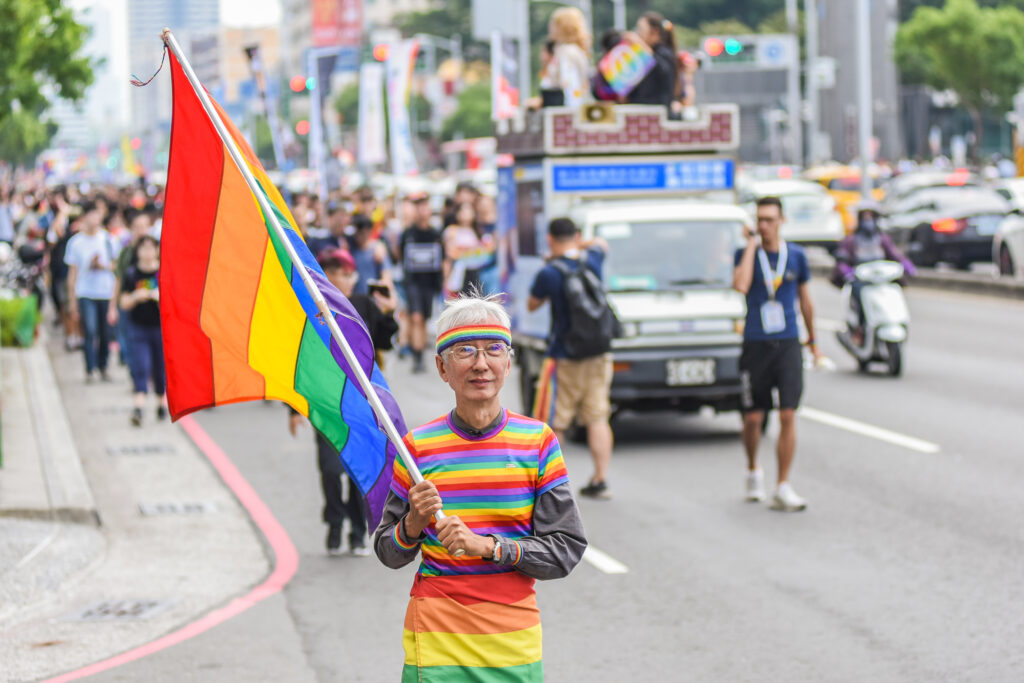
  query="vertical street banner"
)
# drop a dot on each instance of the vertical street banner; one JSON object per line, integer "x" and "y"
{"x": 252, "y": 53}
{"x": 401, "y": 58}
{"x": 504, "y": 72}
{"x": 371, "y": 115}
{"x": 337, "y": 23}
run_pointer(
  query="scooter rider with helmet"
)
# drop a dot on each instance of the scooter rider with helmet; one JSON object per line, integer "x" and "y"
{"x": 866, "y": 243}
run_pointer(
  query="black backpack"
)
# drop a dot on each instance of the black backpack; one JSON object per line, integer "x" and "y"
{"x": 592, "y": 322}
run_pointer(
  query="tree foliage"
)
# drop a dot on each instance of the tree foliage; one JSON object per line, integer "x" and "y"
{"x": 976, "y": 52}
{"x": 40, "y": 45}
{"x": 908, "y": 7}
{"x": 472, "y": 118}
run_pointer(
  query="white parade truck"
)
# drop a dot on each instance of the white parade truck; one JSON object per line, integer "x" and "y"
{"x": 662, "y": 194}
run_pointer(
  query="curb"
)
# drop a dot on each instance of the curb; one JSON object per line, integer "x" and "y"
{"x": 42, "y": 476}
{"x": 967, "y": 283}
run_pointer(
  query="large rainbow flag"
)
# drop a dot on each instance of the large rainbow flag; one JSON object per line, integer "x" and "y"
{"x": 238, "y": 323}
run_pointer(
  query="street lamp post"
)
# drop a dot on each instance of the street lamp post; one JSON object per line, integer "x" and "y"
{"x": 454, "y": 46}
{"x": 619, "y": 19}
{"x": 811, "y": 79}
{"x": 865, "y": 119}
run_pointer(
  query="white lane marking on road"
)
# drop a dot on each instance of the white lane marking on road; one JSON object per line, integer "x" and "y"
{"x": 604, "y": 562}
{"x": 39, "y": 548}
{"x": 865, "y": 429}
{"x": 827, "y": 325}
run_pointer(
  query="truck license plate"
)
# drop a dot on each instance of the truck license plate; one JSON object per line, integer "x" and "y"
{"x": 690, "y": 372}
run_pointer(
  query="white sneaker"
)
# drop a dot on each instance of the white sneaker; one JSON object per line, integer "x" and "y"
{"x": 785, "y": 499}
{"x": 755, "y": 486}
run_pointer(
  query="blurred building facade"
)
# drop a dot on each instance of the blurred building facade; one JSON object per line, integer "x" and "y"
{"x": 297, "y": 24}
{"x": 100, "y": 114}
{"x": 838, "y": 39}
{"x": 151, "y": 105}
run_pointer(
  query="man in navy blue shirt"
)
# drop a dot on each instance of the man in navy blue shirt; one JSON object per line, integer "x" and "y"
{"x": 773, "y": 275}
{"x": 583, "y": 384}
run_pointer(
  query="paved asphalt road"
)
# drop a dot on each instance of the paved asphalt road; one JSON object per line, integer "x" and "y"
{"x": 908, "y": 564}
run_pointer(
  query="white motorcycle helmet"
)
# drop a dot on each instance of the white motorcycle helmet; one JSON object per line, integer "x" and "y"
{"x": 868, "y": 205}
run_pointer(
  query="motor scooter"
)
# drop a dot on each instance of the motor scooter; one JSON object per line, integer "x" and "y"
{"x": 885, "y": 315}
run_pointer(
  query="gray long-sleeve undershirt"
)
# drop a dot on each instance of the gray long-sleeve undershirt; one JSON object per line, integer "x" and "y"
{"x": 554, "y": 549}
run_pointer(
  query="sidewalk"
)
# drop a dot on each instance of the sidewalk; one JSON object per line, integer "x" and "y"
{"x": 41, "y": 476}
{"x": 48, "y": 516}
{"x": 173, "y": 543}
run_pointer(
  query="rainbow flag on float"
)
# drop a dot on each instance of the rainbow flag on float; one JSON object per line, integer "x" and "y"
{"x": 238, "y": 323}
{"x": 626, "y": 65}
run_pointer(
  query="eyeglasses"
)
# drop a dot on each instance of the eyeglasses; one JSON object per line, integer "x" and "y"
{"x": 467, "y": 353}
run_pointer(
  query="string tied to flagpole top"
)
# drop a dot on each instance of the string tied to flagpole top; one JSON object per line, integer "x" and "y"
{"x": 140, "y": 83}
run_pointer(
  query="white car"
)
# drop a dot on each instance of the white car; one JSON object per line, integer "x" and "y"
{"x": 1012, "y": 190}
{"x": 1008, "y": 246}
{"x": 810, "y": 213}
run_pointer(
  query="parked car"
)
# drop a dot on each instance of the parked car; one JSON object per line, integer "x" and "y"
{"x": 1011, "y": 189}
{"x": 811, "y": 215}
{"x": 1008, "y": 246}
{"x": 955, "y": 224}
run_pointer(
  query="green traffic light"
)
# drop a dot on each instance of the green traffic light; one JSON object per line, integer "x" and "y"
{"x": 311, "y": 83}
{"x": 733, "y": 46}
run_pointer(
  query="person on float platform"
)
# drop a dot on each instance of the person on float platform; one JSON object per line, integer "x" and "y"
{"x": 773, "y": 275}
{"x": 501, "y": 479}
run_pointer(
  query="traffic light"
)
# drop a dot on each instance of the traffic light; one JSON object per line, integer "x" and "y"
{"x": 713, "y": 47}
{"x": 302, "y": 127}
{"x": 297, "y": 83}
{"x": 730, "y": 50}
{"x": 380, "y": 52}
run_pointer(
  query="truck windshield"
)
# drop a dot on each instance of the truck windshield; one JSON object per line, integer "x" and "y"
{"x": 659, "y": 255}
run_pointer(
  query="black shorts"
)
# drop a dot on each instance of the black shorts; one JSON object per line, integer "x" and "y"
{"x": 419, "y": 298}
{"x": 767, "y": 365}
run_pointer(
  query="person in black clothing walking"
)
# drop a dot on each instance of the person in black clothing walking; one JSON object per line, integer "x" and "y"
{"x": 421, "y": 252}
{"x": 374, "y": 309}
{"x": 661, "y": 84}
{"x": 140, "y": 299}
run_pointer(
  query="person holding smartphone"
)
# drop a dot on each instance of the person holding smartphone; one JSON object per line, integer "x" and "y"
{"x": 774, "y": 276}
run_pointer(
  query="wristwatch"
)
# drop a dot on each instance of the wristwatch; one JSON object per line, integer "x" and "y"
{"x": 496, "y": 553}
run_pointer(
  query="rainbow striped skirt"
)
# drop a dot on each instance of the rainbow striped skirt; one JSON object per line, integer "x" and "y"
{"x": 475, "y": 628}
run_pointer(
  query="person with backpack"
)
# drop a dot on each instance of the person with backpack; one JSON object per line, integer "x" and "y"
{"x": 582, "y": 328}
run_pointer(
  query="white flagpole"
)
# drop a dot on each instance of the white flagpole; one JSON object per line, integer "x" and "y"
{"x": 307, "y": 280}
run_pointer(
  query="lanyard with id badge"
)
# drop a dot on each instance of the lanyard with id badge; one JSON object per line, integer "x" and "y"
{"x": 773, "y": 315}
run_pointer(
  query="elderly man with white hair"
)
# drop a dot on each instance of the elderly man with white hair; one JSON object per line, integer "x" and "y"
{"x": 501, "y": 479}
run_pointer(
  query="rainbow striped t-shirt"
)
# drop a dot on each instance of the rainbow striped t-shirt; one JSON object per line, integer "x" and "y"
{"x": 490, "y": 482}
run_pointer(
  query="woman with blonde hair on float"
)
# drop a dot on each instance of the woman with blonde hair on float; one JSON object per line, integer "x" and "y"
{"x": 570, "y": 68}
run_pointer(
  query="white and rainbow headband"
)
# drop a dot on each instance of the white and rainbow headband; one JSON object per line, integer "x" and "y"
{"x": 467, "y": 333}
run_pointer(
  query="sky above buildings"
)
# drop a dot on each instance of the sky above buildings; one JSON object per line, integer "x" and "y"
{"x": 108, "y": 99}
